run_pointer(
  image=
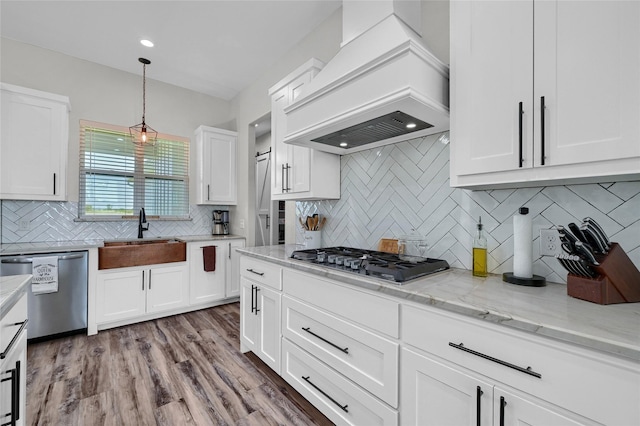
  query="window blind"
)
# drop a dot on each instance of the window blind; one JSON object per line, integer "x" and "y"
{"x": 117, "y": 177}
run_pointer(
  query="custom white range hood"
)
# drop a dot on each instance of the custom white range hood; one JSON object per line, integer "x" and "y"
{"x": 383, "y": 80}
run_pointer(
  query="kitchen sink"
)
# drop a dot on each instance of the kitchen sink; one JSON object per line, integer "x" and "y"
{"x": 139, "y": 252}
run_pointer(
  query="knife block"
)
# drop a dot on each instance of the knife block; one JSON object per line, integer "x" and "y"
{"x": 618, "y": 280}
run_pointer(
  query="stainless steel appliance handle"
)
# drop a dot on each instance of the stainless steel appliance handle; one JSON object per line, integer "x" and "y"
{"x": 23, "y": 260}
{"x": 22, "y": 325}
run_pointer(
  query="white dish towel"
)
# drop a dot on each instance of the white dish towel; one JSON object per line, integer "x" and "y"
{"x": 45, "y": 275}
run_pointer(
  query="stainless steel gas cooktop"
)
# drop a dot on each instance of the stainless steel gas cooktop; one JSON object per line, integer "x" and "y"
{"x": 368, "y": 262}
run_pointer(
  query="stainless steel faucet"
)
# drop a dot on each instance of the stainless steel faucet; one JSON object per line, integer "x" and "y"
{"x": 142, "y": 219}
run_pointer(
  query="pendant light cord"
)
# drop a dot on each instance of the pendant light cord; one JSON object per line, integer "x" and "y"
{"x": 144, "y": 90}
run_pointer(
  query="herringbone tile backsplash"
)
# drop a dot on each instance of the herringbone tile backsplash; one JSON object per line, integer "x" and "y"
{"x": 392, "y": 190}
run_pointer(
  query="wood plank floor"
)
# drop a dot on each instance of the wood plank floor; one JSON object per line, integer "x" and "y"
{"x": 181, "y": 370}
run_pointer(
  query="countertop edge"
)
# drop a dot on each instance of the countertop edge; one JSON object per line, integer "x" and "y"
{"x": 466, "y": 309}
{"x": 14, "y": 286}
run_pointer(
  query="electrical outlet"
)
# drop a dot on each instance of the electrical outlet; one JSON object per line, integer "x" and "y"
{"x": 241, "y": 223}
{"x": 24, "y": 225}
{"x": 549, "y": 242}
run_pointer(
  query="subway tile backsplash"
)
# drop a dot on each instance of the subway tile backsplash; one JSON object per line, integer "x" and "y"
{"x": 392, "y": 190}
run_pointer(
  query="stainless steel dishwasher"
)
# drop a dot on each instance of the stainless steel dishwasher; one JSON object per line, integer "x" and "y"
{"x": 59, "y": 313}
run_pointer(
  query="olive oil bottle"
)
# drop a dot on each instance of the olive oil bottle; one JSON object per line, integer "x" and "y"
{"x": 480, "y": 252}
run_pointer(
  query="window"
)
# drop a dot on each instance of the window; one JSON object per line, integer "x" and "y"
{"x": 117, "y": 177}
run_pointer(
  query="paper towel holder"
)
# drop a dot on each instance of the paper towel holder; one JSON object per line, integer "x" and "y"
{"x": 510, "y": 277}
{"x": 534, "y": 281}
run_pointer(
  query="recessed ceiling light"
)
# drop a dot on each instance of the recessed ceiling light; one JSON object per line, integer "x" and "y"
{"x": 256, "y": 125}
{"x": 343, "y": 144}
{"x": 120, "y": 139}
{"x": 411, "y": 125}
{"x": 147, "y": 43}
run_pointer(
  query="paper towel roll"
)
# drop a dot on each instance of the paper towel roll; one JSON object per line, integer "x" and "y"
{"x": 522, "y": 244}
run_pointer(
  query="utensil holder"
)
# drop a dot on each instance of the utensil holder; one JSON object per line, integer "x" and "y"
{"x": 313, "y": 239}
{"x": 618, "y": 280}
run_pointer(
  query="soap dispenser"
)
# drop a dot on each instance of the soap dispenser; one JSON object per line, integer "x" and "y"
{"x": 480, "y": 252}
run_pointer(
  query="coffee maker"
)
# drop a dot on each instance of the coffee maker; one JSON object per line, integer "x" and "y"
{"x": 220, "y": 222}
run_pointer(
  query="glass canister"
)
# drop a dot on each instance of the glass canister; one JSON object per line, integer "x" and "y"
{"x": 412, "y": 248}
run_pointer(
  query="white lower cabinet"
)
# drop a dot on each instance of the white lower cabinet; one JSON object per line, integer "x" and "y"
{"x": 338, "y": 398}
{"x": 260, "y": 321}
{"x": 13, "y": 364}
{"x": 212, "y": 286}
{"x": 437, "y": 393}
{"x": 524, "y": 378}
{"x": 129, "y": 293}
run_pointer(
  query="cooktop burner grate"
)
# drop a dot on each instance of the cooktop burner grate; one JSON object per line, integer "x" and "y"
{"x": 369, "y": 262}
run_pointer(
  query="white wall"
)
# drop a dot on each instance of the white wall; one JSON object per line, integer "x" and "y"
{"x": 107, "y": 95}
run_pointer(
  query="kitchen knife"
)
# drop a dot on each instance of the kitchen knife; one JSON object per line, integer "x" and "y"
{"x": 572, "y": 267}
{"x": 577, "y": 232}
{"x": 563, "y": 262}
{"x": 598, "y": 245}
{"x": 590, "y": 272}
{"x": 581, "y": 266}
{"x": 598, "y": 228}
{"x": 593, "y": 240}
{"x": 586, "y": 253}
{"x": 568, "y": 236}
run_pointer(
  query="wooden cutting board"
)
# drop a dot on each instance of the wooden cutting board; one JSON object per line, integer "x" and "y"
{"x": 388, "y": 245}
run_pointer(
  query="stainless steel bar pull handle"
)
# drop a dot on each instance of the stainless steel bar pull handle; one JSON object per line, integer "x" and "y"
{"x": 208, "y": 193}
{"x": 54, "y": 184}
{"x": 229, "y": 250}
{"x": 542, "y": 130}
{"x": 142, "y": 280}
{"x": 282, "y": 179}
{"x": 527, "y": 370}
{"x": 520, "y": 114}
{"x": 343, "y": 407}
{"x": 254, "y": 272}
{"x": 308, "y": 330}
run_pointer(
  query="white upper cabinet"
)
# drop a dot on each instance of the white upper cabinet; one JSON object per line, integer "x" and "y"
{"x": 544, "y": 92}
{"x": 33, "y": 148}
{"x": 216, "y": 176}
{"x": 299, "y": 173}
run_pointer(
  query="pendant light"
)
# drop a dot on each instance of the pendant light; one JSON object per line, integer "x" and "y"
{"x": 142, "y": 134}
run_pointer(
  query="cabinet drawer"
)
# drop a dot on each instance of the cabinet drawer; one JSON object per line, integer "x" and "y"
{"x": 335, "y": 396}
{"x": 261, "y": 272}
{"x": 372, "y": 311}
{"x": 364, "y": 357}
{"x": 592, "y": 384}
{"x": 8, "y": 328}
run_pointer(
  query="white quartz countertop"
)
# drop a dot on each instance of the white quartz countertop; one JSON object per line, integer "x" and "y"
{"x": 53, "y": 246}
{"x": 547, "y": 311}
{"x": 11, "y": 288}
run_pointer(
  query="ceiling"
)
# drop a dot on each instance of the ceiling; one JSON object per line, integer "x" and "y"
{"x": 212, "y": 47}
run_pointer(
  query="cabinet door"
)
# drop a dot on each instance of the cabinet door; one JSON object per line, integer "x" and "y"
{"x": 279, "y": 100}
{"x": 120, "y": 295}
{"x": 435, "y": 394}
{"x": 268, "y": 305}
{"x": 491, "y": 74}
{"x": 233, "y": 268}
{"x": 207, "y": 286}
{"x": 299, "y": 174}
{"x": 511, "y": 409}
{"x": 248, "y": 317}
{"x": 217, "y": 180}
{"x": 33, "y": 148}
{"x": 587, "y": 63}
{"x": 14, "y": 367}
{"x": 167, "y": 287}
